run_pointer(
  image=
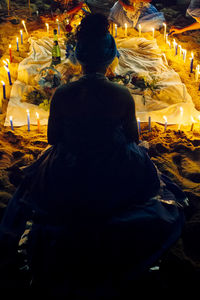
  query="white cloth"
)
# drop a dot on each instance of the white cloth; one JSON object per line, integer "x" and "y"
{"x": 137, "y": 55}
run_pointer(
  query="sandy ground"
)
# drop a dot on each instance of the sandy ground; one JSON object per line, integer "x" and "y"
{"x": 176, "y": 153}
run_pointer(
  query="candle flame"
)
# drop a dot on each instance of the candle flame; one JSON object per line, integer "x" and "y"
{"x": 192, "y": 55}
{"x": 2, "y": 82}
{"x": 17, "y": 39}
{"x": 181, "y": 109}
{"x": 10, "y": 46}
{"x": 165, "y": 118}
{"x": 21, "y": 31}
{"x": 138, "y": 119}
{"x": 4, "y": 62}
{"x": 10, "y": 118}
{"x": 192, "y": 119}
{"x": 125, "y": 25}
{"x": 199, "y": 117}
{"x": 6, "y": 69}
{"x": 8, "y": 60}
{"x": 37, "y": 115}
{"x": 27, "y": 111}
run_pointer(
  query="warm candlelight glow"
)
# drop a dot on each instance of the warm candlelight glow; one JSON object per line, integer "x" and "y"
{"x": 140, "y": 29}
{"x": 125, "y": 25}
{"x": 153, "y": 32}
{"x": 165, "y": 29}
{"x": 192, "y": 126}
{"x": 168, "y": 42}
{"x": 23, "y": 22}
{"x": 165, "y": 118}
{"x": 38, "y": 121}
{"x": 181, "y": 116}
{"x": 47, "y": 25}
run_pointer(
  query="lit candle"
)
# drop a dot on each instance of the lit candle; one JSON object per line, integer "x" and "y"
{"x": 176, "y": 49}
{"x": 125, "y": 32}
{"x": 47, "y": 25}
{"x": 38, "y": 121}
{"x": 165, "y": 31}
{"x": 165, "y": 118}
{"x": 115, "y": 30}
{"x": 168, "y": 42}
{"x": 21, "y": 33}
{"x": 181, "y": 116}
{"x": 184, "y": 55}
{"x": 192, "y": 126}
{"x": 140, "y": 29}
{"x": 4, "y": 89}
{"x": 153, "y": 32}
{"x": 10, "y": 51}
{"x": 58, "y": 26}
{"x": 139, "y": 126}
{"x": 8, "y": 62}
{"x": 191, "y": 62}
{"x": 28, "y": 119}
{"x": 17, "y": 41}
{"x": 197, "y": 73}
{"x": 11, "y": 123}
{"x": 149, "y": 123}
{"x": 180, "y": 49}
{"x": 5, "y": 63}
{"x": 9, "y": 77}
{"x": 25, "y": 27}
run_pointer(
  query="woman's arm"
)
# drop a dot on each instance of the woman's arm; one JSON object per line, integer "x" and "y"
{"x": 175, "y": 30}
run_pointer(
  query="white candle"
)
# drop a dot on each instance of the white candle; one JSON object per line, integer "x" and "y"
{"x": 140, "y": 29}
{"x": 11, "y": 123}
{"x": 17, "y": 41}
{"x": 28, "y": 119}
{"x": 184, "y": 55}
{"x": 181, "y": 116}
{"x": 153, "y": 32}
{"x": 21, "y": 33}
{"x": 125, "y": 29}
{"x": 47, "y": 25}
{"x": 197, "y": 73}
{"x": 180, "y": 49}
{"x": 5, "y": 63}
{"x": 165, "y": 118}
{"x": 165, "y": 31}
{"x": 23, "y": 22}
{"x": 168, "y": 42}
{"x": 115, "y": 30}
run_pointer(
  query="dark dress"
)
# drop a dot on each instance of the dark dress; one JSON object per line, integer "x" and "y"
{"x": 94, "y": 197}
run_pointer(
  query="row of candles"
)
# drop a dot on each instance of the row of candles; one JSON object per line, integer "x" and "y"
{"x": 28, "y": 121}
{"x": 165, "y": 122}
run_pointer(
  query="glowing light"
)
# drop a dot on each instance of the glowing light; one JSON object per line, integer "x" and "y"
{"x": 23, "y": 23}
{"x": 165, "y": 118}
{"x": 125, "y": 25}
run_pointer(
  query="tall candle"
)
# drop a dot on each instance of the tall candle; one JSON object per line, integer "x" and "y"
{"x": 21, "y": 33}
{"x": 139, "y": 126}
{"x": 191, "y": 62}
{"x": 58, "y": 26}
{"x": 4, "y": 89}
{"x": 17, "y": 41}
{"x": 23, "y": 22}
{"x": 165, "y": 118}
{"x": 168, "y": 42}
{"x": 115, "y": 30}
{"x": 181, "y": 116}
{"x": 140, "y": 29}
{"x": 11, "y": 123}
{"x": 153, "y": 32}
{"x": 149, "y": 123}
{"x": 5, "y": 63}
{"x": 184, "y": 55}
{"x": 192, "y": 126}
{"x": 38, "y": 121}
{"x": 125, "y": 29}
{"x": 165, "y": 31}
{"x": 10, "y": 52}
{"x": 28, "y": 119}
{"x": 197, "y": 73}
{"x": 47, "y": 25}
{"x": 9, "y": 77}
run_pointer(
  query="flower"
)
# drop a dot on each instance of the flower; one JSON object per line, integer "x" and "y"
{"x": 68, "y": 28}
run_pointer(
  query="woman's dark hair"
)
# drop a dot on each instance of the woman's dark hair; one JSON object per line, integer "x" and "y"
{"x": 93, "y": 25}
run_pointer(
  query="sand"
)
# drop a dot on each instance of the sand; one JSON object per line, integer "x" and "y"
{"x": 176, "y": 153}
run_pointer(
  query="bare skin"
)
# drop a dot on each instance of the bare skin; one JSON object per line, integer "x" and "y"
{"x": 194, "y": 26}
